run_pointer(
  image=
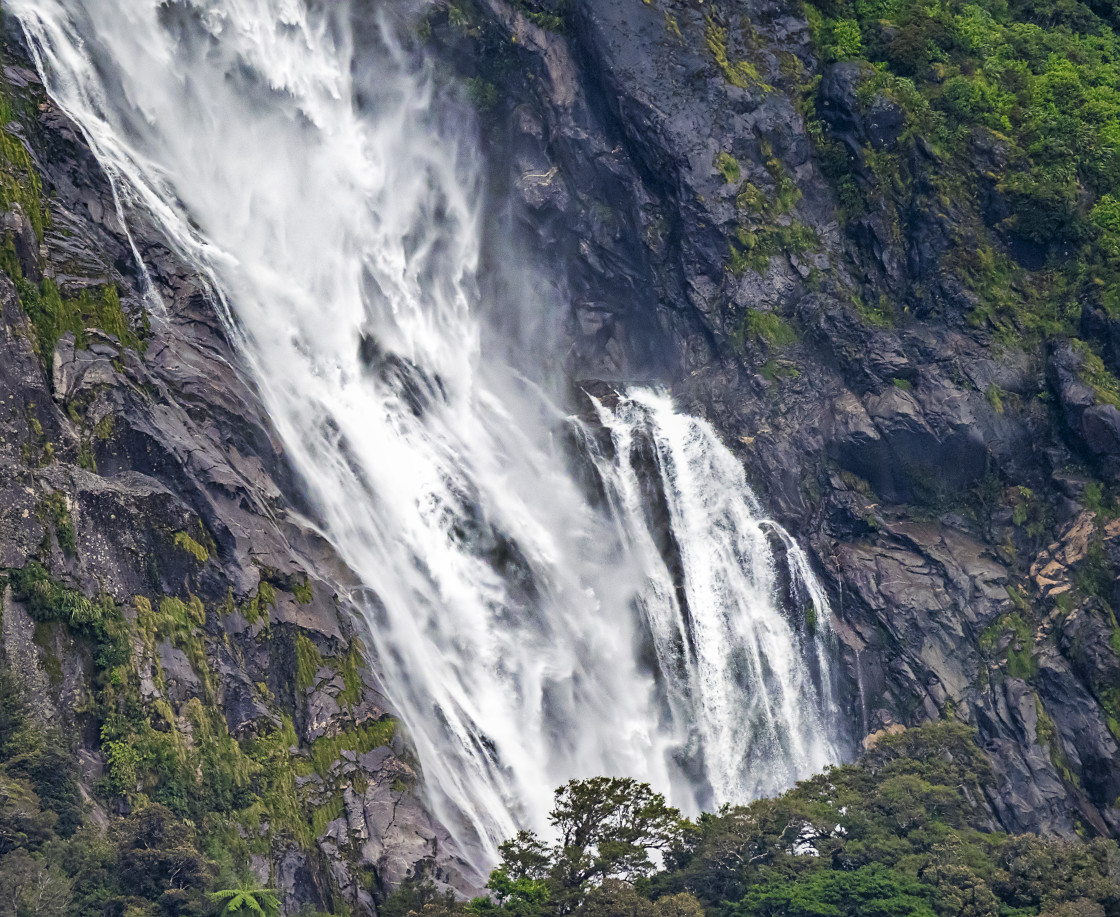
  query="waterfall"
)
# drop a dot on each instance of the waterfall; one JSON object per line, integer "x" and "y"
{"x": 738, "y": 673}
{"x": 526, "y": 631}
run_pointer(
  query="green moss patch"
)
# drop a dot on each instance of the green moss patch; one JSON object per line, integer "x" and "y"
{"x": 326, "y": 751}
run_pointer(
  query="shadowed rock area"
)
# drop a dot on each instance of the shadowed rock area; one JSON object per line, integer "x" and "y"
{"x": 770, "y": 236}
{"x": 708, "y": 196}
{"x": 139, "y": 470}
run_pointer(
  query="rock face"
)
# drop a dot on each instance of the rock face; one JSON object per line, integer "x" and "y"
{"x": 665, "y": 164}
{"x": 673, "y": 170}
{"x": 138, "y": 467}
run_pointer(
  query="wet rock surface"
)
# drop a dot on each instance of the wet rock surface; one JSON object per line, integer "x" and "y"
{"x": 667, "y": 186}
{"x": 654, "y": 151}
{"x": 152, "y": 475}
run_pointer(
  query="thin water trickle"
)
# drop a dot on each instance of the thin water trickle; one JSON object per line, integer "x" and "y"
{"x": 341, "y": 242}
{"x": 863, "y": 717}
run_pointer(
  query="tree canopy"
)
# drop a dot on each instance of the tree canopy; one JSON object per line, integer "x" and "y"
{"x": 905, "y": 832}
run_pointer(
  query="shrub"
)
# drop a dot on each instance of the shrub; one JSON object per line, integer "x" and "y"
{"x": 846, "y": 40}
{"x": 769, "y": 327}
{"x": 199, "y": 552}
{"x": 728, "y": 166}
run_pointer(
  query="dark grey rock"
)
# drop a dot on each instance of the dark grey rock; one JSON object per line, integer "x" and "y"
{"x": 925, "y": 415}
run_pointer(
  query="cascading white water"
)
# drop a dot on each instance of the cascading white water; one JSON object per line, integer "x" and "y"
{"x": 337, "y": 222}
{"x": 739, "y": 672}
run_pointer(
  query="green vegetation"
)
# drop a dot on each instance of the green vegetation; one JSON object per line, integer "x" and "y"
{"x": 728, "y": 166}
{"x": 257, "y": 607}
{"x": 302, "y": 592}
{"x": 994, "y": 395}
{"x": 199, "y": 552}
{"x": 103, "y": 431}
{"x": 810, "y": 612}
{"x": 1040, "y": 83}
{"x": 766, "y": 327}
{"x": 754, "y": 248}
{"x": 181, "y": 803}
{"x": 56, "y": 508}
{"x": 38, "y": 776}
{"x": 545, "y": 14}
{"x": 772, "y": 369}
{"x": 323, "y": 815}
{"x": 880, "y": 315}
{"x": 770, "y": 327}
{"x": 457, "y": 18}
{"x": 1016, "y": 637}
{"x": 1095, "y": 574}
{"x": 837, "y": 39}
{"x": 1029, "y": 511}
{"x": 208, "y": 799}
{"x": 38, "y": 449}
{"x": 482, "y": 94}
{"x": 766, "y": 229}
{"x": 738, "y": 73}
{"x": 52, "y": 315}
{"x": 352, "y": 681}
{"x": 1096, "y": 376}
{"x": 1094, "y": 499}
{"x": 673, "y": 26}
{"x": 308, "y": 662}
{"x": 903, "y": 833}
{"x": 247, "y": 897}
{"x": 607, "y": 830}
{"x": 326, "y": 751}
{"x": 49, "y": 863}
{"x": 19, "y": 181}
{"x": 98, "y": 621}
{"x": 176, "y": 616}
{"x": 767, "y": 205}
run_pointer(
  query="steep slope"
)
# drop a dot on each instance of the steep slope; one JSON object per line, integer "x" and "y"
{"x": 843, "y": 267}
{"x": 725, "y": 197}
{"x": 171, "y": 621}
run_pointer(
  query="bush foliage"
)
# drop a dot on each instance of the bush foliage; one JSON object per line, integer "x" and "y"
{"x": 905, "y": 832}
{"x": 1016, "y": 107}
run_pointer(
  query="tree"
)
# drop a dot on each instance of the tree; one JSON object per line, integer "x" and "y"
{"x": 872, "y": 891}
{"x": 615, "y": 898}
{"x": 847, "y": 43}
{"x": 13, "y": 714}
{"x": 679, "y": 905}
{"x": 31, "y": 888}
{"x": 249, "y": 897}
{"x": 23, "y": 823}
{"x": 513, "y": 896}
{"x": 960, "y": 891}
{"x": 525, "y": 856}
{"x": 607, "y": 828}
{"x": 419, "y": 895}
{"x": 158, "y": 855}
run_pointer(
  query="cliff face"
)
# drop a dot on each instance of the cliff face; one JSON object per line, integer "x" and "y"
{"x": 872, "y": 321}
{"x": 710, "y": 206}
{"x": 166, "y": 614}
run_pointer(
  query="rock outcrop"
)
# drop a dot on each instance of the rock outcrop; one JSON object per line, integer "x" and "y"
{"x": 675, "y": 170}
{"x": 139, "y": 469}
